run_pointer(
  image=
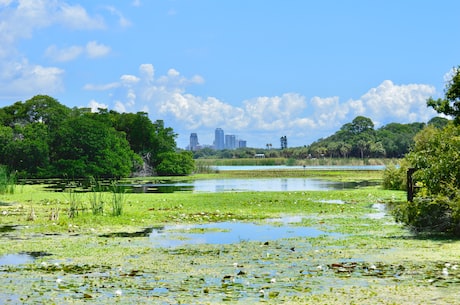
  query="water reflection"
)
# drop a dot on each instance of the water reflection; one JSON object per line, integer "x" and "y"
{"x": 20, "y": 258}
{"x": 296, "y": 167}
{"x": 272, "y": 184}
{"x": 245, "y": 185}
{"x": 228, "y": 233}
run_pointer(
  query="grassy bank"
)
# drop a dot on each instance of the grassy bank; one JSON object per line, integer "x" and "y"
{"x": 292, "y": 162}
{"x": 362, "y": 256}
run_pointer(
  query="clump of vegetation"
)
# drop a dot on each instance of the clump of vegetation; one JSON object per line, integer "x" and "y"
{"x": 118, "y": 199}
{"x": 436, "y": 159}
{"x": 42, "y": 138}
{"x": 96, "y": 197}
{"x": 395, "y": 176}
{"x": 7, "y": 181}
{"x": 204, "y": 168}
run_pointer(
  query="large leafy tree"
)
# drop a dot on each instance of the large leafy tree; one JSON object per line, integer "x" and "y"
{"x": 87, "y": 147}
{"x": 450, "y": 104}
{"x": 436, "y": 158}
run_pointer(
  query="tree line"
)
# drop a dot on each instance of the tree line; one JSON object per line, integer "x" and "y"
{"x": 44, "y": 138}
{"x": 357, "y": 139}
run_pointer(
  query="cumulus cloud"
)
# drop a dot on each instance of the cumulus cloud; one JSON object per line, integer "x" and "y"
{"x": 95, "y": 106}
{"x": 94, "y": 49}
{"x": 289, "y": 114}
{"x": 19, "y": 19}
{"x": 398, "y": 103}
{"x": 64, "y": 54}
{"x": 30, "y": 79}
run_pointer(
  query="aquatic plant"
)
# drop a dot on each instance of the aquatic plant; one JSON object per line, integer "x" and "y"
{"x": 118, "y": 198}
{"x": 7, "y": 181}
{"x": 96, "y": 197}
{"x": 73, "y": 201}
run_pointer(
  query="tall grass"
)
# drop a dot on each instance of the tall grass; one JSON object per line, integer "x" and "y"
{"x": 204, "y": 168}
{"x": 292, "y": 161}
{"x": 7, "y": 181}
{"x": 72, "y": 198}
{"x": 96, "y": 197}
{"x": 118, "y": 198}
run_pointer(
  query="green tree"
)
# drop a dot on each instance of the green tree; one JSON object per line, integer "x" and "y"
{"x": 175, "y": 164}
{"x": 435, "y": 157}
{"x": 86, "y": 147}
{"x": 450, "y": 104}
{"x": 28, "y": 153}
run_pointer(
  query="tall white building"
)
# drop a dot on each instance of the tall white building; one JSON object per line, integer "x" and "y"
{"x": 219, "y": 142}
{"x": 194, "y": 141}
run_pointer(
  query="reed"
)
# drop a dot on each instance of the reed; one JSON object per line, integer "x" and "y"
{"x": 96, "y": 197}
{"x": 7, "y": 181}
{"x": 118, "y": 198}
{"x": 73, "y": 200}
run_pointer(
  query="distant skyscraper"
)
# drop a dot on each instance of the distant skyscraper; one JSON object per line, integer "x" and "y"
{"x": 194, "y": 141}
{"x": 241, "y": 143}
{"x": 230, "y": 141}
{"x": 219, "y": 139}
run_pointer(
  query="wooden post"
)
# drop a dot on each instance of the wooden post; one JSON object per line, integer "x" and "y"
{"x": 410, "y": 184}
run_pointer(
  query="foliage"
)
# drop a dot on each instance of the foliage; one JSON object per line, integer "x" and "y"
{"x": 436, "y": 158}
{"x": 7, "y": 181}
{"x": 84, "y": 146}
{"x": 176, "y": 164}
{"x": 395, "y": 177}
{"x": 43, "y": 138}
{"x": 450, "y": 104}
{"x": 436, "y": 215}
{"x": 118, "y": 199}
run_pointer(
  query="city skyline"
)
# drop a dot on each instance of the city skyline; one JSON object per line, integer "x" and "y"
{"x": 221, "y": 141}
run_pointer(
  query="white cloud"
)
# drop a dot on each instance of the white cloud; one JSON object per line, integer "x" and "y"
{"x": 94, "y": 49}
{"x": 398, "y": 103}
{"x": 73, "y": 16}
{"x": 129, "y": 79}
{"x": 104, "y": 87}
{"x": 119, "y": 107}
{"x": 122, "y": 21}
{"x": 19, "y": 19}
{"x": 30, "y": 79}
{"x": 63, "y": 55}
{"x": 289, "y": 114}
{"x": 271, "y": 113}
{"x": 147, "y": 72}
{"x": 95, "y": 106}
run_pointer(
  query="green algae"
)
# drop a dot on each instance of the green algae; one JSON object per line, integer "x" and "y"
{"x": 102, "y": 259}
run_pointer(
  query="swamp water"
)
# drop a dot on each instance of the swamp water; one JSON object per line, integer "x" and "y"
{"x": 245, "y": 185}
{"x": 228, "y": 233}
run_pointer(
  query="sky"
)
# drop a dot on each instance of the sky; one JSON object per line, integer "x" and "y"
{"x": 258, "y": 69}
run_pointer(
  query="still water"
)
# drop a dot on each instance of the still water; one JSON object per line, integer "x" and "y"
{"x": 229, "y": 233}
{"x": 247, "y": 185}
{"x": 284, "y": 167}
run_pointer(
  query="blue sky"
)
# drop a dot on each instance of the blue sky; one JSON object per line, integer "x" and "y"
{"x": 259, "y": 69}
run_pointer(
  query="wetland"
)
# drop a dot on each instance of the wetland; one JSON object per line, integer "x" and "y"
{"x": 296, "y": 246}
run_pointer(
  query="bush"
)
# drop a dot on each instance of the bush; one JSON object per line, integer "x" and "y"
{"x": 434, "y": 215}
{"x": 395, "y": 178}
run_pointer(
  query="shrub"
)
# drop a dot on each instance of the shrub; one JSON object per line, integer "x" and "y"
{"x": 432, "y": 215}
{"x": 395, "y": 178}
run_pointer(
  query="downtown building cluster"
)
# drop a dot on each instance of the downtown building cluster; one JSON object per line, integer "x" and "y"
{"x": 221, "y": 141}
